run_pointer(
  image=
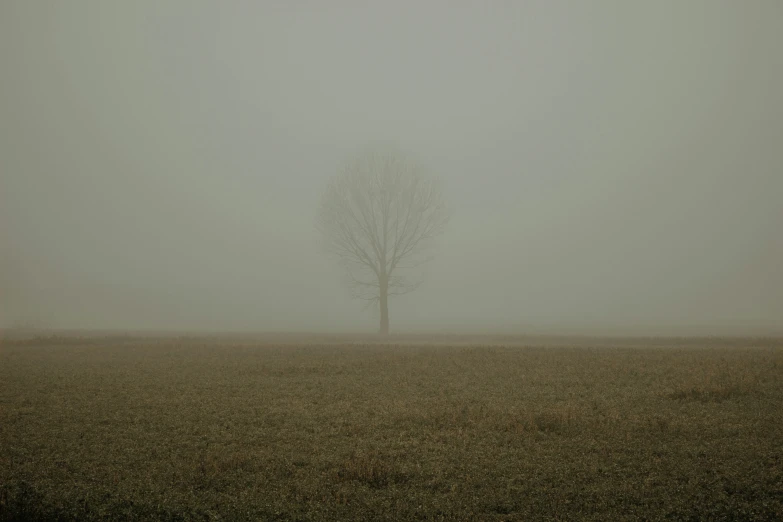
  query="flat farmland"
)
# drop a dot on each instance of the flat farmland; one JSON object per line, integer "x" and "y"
{"x": 404, "y": 428}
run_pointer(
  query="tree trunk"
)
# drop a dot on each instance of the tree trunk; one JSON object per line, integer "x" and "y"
{"x": 384, "y": 300}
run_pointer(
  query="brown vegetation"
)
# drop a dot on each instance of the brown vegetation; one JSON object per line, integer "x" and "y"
{"x": 237, "y": 429}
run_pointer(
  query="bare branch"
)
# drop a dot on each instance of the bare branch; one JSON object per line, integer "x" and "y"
{"x": 379, "y": 211}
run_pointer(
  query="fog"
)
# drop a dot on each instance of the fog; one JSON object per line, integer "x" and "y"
{"x": 610, "y": 166}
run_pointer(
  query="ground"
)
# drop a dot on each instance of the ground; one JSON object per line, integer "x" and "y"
{"x": 330, "y": 428}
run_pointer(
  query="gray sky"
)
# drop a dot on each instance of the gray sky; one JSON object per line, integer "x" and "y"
{"x": 612, "y": 166}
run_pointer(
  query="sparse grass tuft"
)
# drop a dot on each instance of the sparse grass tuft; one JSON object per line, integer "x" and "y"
{"x": 372, "y": 470}
{"x": 717, "y": 385}
{"x": 555, "y": 421}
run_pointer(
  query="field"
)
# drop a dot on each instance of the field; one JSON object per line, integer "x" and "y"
{"x": 327, "y": 428}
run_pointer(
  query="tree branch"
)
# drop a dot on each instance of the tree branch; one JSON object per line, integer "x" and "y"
{"x": 378, "y": 212}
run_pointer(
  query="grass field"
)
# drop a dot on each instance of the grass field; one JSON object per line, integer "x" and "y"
{"x": 315, "y": 428}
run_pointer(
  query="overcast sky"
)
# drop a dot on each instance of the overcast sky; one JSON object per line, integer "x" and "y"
{"x": 611, "y": 166}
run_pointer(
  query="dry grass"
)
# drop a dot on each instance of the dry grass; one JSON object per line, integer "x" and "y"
{"x": 237, "y": 429}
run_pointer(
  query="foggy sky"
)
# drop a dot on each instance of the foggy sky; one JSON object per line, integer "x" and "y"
{"x": 611, "y": 166}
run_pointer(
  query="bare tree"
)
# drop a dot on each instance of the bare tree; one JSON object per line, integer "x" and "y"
{"x": 379, "y": 216}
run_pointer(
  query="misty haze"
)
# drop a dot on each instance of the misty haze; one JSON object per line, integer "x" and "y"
{"x": 391, "y": 260}
{"x": 609, "y": 167}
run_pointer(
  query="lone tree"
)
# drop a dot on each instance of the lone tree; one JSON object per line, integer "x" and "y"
{"x": 379, "y": 216}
